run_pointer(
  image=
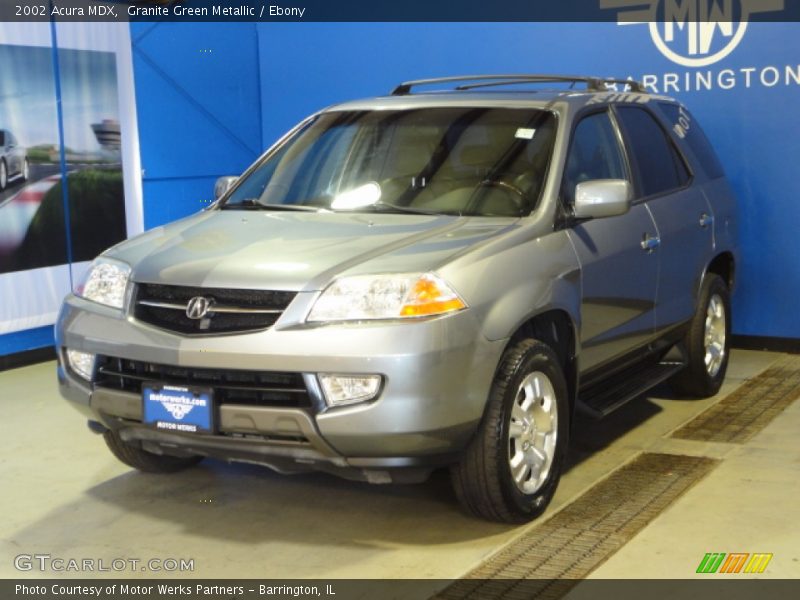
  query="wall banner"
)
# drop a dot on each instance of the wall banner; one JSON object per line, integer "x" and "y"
{"x": 67, "y": 178}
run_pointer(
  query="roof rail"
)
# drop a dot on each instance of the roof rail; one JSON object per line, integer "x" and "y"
{"x": 594, "y": 84}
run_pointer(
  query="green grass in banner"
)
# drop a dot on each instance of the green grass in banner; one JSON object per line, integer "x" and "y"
{"x": 97, "y": 217}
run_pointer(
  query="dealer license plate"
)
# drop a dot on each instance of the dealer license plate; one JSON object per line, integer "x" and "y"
{"x": 178, "y": 409}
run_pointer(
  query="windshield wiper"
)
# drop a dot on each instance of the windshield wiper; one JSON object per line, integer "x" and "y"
{"x": 387, "y": 207}
{"x": 254, "y": 204}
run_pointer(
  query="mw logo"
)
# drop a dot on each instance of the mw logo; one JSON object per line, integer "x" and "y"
{"x": 693, "y": 33}
{"x": 735, "y": 562}
{"x": 178, "y": 411}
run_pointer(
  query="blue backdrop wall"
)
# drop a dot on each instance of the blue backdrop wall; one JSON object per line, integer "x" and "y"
{"x": 199, "y": 111}
{"x": 210, "y": 97}
{"x": 746, "y": 102}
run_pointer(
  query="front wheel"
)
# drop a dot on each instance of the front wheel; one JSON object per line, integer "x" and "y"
{"x": 26, "y": 170}
{"x": 707, "y": 342}
{"x": 3, "y": 175}
{"x": 511, "y": 469}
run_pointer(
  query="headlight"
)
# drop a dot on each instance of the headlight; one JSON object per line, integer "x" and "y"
{"x": 369, "y": 297}
{"x": 105, "y": 282}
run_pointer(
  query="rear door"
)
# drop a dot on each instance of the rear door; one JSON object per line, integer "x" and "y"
{"x": 619, "y": 275}
{"x": 681, "y": 212}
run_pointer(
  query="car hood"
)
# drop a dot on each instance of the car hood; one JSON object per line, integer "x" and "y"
{"x": 298, "y": 251}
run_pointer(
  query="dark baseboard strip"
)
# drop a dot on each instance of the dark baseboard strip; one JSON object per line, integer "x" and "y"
{"x": 28, "y": 357}
{"x": 773, "y": 344}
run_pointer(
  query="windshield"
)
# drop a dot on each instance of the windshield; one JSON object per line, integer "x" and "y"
{"x": 455, "y": 161}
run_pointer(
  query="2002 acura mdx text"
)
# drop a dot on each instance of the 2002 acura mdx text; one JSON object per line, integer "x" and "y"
{"x": 416, "y": 281}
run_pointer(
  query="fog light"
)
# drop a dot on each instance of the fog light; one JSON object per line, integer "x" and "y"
{"x": 341, "y": 390}
{"x": 81, "y": 363}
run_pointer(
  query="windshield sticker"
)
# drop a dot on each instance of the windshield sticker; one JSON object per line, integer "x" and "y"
{"x": 524, "y": 133}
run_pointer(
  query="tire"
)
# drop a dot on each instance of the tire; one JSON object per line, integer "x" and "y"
{"x": 483, "y": 479}
{"x": 147, "y": 461}
{"x": 707, "y": 342}
{"x": 26, "y": 169}
{"x": 3, "y": 175}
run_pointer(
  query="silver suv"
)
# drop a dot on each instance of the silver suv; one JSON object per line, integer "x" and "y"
{"x": 13, "y": 159}
{"x": 418, "y": 281}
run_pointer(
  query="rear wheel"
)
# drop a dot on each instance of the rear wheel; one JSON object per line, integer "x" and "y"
{"x": 707, "y": 342}
{"x": 511, "y": 468}
{"x": 146, "y": 461}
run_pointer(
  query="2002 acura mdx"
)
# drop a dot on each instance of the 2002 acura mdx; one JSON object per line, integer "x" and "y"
{"x": 416, "y": 281}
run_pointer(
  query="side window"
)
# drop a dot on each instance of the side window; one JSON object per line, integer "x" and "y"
{"x": 659, "y": 165}
{"x": 686, "y": 127}
{"x": 2, "y": 138}
{"x": 594, "y": 153}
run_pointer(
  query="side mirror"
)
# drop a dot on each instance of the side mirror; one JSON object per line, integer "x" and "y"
{"x": 223, "y": 184}
{"x": 602, "y": 198}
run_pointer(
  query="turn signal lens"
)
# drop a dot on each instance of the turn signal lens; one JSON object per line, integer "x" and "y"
{"x": 430, "y": 296}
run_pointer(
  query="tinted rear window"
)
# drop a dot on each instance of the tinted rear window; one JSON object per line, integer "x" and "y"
{"x": 686, "y": 127}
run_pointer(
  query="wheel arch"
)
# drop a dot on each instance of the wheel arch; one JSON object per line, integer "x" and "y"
{"x": 724, "y": 265}
{"x": 556, "y": 328}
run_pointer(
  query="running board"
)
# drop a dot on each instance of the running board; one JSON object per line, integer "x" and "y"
{"x": 603, "y": 398}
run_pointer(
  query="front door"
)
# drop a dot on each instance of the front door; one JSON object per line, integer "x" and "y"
{"x": 619, "y": 271}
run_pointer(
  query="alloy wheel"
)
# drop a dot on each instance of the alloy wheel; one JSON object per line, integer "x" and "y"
{"x": 532, "y": 432}
{"x": 715, "y": 334}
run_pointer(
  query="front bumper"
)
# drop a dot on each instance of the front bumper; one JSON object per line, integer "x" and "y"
{"x": 437, "y": 375}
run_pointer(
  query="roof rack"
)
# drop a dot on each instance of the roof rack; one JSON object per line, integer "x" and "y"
{"x": 594, "y": 84}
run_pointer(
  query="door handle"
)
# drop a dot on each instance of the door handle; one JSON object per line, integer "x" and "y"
{"x": 650, "y": 242}
{"x": 706, "y": 220}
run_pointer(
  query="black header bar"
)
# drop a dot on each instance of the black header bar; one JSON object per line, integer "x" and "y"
{"x": 680, "y": 11}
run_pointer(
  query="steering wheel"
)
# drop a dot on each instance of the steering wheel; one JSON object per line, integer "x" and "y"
{"x": 503, "y": 185}
{"x": 516, "y": 194}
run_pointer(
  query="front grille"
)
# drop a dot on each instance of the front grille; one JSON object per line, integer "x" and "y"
{"x": 231, "y": 310}
{"x": 231, "y": 386}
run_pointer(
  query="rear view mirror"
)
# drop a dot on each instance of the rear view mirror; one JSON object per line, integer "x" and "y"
{"x": 602, "y": 198}
{"x": 223, "y": 184}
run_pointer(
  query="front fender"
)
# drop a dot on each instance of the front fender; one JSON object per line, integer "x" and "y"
{"x": 518, "y": 282}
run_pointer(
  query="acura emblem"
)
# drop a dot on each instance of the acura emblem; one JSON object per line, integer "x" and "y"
{"x": 199, "y": 307}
